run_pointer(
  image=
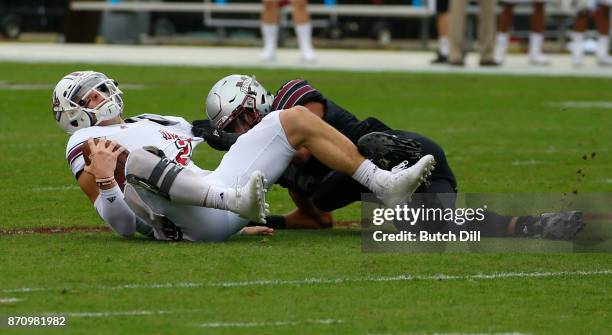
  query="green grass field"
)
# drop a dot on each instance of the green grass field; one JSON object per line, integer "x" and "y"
{"x": 502, "y": 134}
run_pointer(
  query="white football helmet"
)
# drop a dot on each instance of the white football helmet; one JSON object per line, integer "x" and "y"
{"x": 238, "y": 98}
{"x": 71, "y": 99}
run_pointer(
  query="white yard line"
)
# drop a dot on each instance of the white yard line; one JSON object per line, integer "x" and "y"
{"x": 54, "y": 188}
{"x": 9, "y": 300}
{"x": 234, "y": 324}
{"x": 453, "y": 333}
{"x": 5, "y": 86}
{"x": 529, "y": 162}
{"x": 268, "y": 323}
{"x": 580, "y": 104}
{"x": 325, "y": 281}
{"x": 108, "y": 314}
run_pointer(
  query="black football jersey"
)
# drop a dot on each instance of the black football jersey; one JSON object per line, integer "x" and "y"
{"x": 299, "y": 92}
{"x": 306, "y": 177}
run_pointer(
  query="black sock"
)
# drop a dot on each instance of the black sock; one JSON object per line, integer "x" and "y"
{"x": 527, "y": 226}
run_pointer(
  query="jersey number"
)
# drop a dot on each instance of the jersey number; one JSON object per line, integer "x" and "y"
{"x": 185, "y": 150}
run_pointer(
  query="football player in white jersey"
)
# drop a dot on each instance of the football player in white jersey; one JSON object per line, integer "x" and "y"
{"x": 165, "y": 193}
{"x": 89, "y": 105}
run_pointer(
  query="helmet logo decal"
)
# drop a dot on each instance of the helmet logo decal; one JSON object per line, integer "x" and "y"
{"x": 56, "y": 103}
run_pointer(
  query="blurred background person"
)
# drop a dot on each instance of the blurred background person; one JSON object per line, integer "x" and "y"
{"x": 601, "y": 10}
{"x": 442, "y": 27}
{"x": 536, "y": 37}
{"x": 301, "y": 21}
{"x": 486, "y": 31}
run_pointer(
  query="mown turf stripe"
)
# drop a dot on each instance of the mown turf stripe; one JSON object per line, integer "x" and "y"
{"x": 324, "y": 281}
{"x": 267, "y": 323}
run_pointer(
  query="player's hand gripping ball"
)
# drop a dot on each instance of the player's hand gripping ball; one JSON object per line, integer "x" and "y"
{"x": 105, "y": 158}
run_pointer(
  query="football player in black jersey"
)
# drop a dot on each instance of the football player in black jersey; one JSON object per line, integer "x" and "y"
{"x": 234, "y": 107}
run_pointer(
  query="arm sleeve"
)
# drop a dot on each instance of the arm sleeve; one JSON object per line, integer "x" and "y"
{"x": 113, "y": 209}
{"x": 74, "y": 157}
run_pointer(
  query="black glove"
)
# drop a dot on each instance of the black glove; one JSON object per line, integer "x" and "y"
{"x": 217, "y": 139}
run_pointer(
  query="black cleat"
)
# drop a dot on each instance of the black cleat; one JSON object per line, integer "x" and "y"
{"x": 561, "y": 225}
{"x": 387, "y": 151}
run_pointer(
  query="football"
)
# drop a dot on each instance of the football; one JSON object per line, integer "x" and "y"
{"x": 121, "y": 160}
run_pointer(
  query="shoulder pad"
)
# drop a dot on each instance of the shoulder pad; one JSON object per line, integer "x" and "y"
{"x": 152, "y": 117}
{"x": 296, "y": 92}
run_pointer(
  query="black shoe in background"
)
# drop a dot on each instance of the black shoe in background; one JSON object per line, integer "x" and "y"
{"x": 440, "y": 59}
{"x": 489, "y": 63}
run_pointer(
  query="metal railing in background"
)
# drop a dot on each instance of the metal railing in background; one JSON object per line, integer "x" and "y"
{"x": 330, "y": 10}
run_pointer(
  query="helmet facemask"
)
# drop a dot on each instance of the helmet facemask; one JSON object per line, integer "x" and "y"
{"x": 244, "y": 117}
{"x": 110, "y": 105}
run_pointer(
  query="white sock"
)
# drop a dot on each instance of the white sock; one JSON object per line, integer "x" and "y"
{"x": 501, "y": 47}
{"x": 535, "y": 44}
{"x": 269, "y": 33}
{"x": 577, "y": 45}
{"x": 216, "y": 197}
{"x": 603, "y": 46}
{"x": 443, "y": 45}
{"x": 304, "y": 37}
{"x": 367, "y": 172}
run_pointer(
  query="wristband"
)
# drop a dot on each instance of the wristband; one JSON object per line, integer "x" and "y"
{"x": 105, "y": 181}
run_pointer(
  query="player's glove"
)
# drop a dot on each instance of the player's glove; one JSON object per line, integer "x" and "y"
{"x": 217, "y": 139}
{"x": 295, "y": 178}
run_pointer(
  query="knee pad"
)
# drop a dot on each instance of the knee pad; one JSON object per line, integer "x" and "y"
{"x": 150, "y": 168}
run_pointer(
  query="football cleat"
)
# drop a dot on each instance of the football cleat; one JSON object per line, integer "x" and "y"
{"x": 604, "y": 61}
{"x": 560, "y": 226}
{"x": 249, "y": 201}
{"x": 309, "y": 57}
{"x": 538, "y": 60}
{"x": 386, "y": 150}
{"x": 398, "y": 187}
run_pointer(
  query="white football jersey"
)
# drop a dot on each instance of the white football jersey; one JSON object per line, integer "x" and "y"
{"x": 170, "y": 134}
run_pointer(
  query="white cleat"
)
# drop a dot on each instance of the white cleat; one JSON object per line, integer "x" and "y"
{"x": 539, "y": 60}
{"x": 604, "y": 61}
{"x": 577, "y": 62}
{"x": 309, "y": 57}
{"x": 250, "y": 201}
{"x": 268, "y": 56}
{"x": 399, "y": 187}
